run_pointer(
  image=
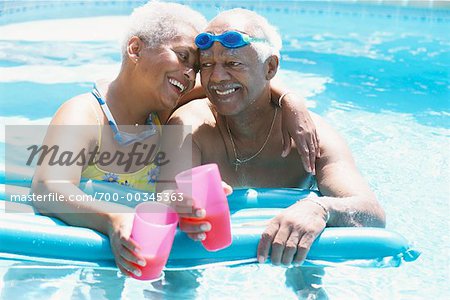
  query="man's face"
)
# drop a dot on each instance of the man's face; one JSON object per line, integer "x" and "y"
{"x": 232, "y": 78}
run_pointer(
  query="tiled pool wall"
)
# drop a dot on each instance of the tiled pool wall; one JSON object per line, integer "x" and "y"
{"x": 404, "y": 11}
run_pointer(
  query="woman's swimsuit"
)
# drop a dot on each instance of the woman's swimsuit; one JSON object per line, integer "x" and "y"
{"x": 143, "y": 179}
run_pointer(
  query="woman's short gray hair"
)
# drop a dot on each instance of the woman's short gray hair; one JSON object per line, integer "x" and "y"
{"x": 158, "y": 22}
{"x": 258, "y": 26}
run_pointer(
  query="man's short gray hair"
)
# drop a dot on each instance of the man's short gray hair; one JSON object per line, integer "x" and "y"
{"x": 258, "y": 27}
{"x": 158, "y": 22}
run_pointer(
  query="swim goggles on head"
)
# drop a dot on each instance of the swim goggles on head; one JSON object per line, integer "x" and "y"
{"x": 229, "y": 39}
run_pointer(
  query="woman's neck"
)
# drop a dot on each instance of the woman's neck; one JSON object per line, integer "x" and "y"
{"x": 125, "y": 103}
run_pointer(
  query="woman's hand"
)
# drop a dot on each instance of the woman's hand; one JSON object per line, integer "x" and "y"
{"x": 124, "y": 249}
{"x": 298, "y": 125}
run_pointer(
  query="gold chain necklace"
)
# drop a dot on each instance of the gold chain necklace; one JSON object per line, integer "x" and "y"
{"x": 238, "y": 161}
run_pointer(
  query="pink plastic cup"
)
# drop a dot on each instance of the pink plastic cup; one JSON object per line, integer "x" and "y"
{"x": 154, "y": 228}
{"x": 204, "y": 185}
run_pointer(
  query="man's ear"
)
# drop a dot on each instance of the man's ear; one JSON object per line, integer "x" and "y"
{"x": 134, "y": 47}
{"x": 271, "y": 66}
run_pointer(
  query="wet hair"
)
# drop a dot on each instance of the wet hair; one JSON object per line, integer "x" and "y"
{"x": 158, "y": 22}
{"x": 257, "y": 26}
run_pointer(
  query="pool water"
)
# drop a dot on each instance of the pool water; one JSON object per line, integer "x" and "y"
{"x": 378, "y": 74}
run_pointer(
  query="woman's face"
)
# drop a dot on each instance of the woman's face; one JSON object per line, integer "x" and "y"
{"x": 171, "y": 68}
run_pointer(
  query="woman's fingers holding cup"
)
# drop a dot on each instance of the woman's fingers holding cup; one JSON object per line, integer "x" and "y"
{"x": 127, "y": 267}
{"x": 132, "y": 257}
{"x": 130, "y": 244}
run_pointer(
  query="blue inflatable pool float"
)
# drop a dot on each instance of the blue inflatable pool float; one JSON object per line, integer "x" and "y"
{"x": 29, "y": 236}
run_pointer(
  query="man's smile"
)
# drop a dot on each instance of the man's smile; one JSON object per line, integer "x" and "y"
{"x": 224, "y": 91}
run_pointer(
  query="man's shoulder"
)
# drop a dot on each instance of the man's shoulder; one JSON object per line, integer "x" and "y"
{"x": 195, "y": 113}
{"x": 332, "y": 143}
{"x": 324, "y": 128}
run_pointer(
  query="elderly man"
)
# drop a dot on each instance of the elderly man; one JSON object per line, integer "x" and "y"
{"x": 240, "y": 130}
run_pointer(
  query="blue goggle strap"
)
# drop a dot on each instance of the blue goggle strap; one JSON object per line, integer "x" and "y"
{"x": 245, "y": 40}
{"x": 106, "y": 111}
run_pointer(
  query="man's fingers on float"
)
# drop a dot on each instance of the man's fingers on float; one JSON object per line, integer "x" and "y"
{"x": 266, "y": 241}
{"x": 279, "y": 243}
{"x": 290, "y": 248}
{"x": 303, "y": 247}
{"x": 200, "y": 227}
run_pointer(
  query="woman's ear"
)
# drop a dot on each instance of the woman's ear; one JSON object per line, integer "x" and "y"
{"x": 134, "y": 47}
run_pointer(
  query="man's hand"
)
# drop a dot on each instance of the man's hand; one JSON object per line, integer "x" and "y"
{"x": 191, "y": 216}
{"x": 291, "y": 234}
{"x": 297, "y": 124}
{"x": 191, "y": 219}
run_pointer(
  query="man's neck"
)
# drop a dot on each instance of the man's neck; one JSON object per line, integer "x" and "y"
{"x": 254, "y": 122}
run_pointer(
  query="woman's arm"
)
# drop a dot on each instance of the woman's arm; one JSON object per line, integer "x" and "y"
{"x": 296, "y": 124}
{"x": 72, "y": 130}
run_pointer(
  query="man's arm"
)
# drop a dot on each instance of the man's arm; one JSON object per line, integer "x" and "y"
{"x": 347, "y": 201}
{"x": 347, "y": 196}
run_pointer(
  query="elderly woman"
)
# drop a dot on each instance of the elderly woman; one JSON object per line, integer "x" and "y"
{"x": 158, "y": 73}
